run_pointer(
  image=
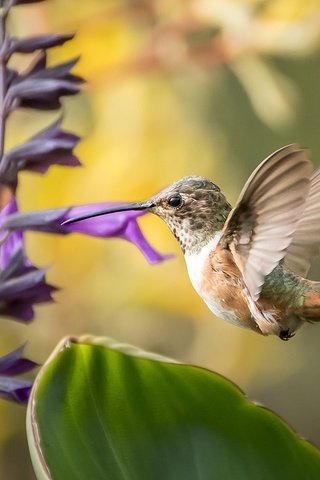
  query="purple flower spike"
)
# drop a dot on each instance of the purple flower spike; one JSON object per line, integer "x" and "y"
{"x": 12, "y": 364}
{"x": 118, "y": 225}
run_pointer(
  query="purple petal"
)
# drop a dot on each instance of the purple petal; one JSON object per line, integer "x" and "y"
{"x": 42, "y": 87}
{"x": 41, "y": 42}
{"x": 21, "y": 307}
{"x": 39, "y": 70}
{"x": 10, "y": 208}
{"x": 41, "y": 221}
{"x": 14, "y": 241}
{"x": 17, "y": 265}
{"x": 52, "y": 146}
{"x": 133, "y": 234}
{"x": 15, "y": 389}
{"x": 22, "y": 2}
{"x": 14, "y": 364}
{"x": 120, "y": 225}
{"x": 22, "y": 366}
{"x": 22, "y": 394}
{"x": 42, "y": 94}
{"x": 60, "y": 71}
{"x": 22, "y": 286}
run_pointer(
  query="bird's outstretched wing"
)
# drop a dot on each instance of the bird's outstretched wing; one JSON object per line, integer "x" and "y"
{"x": 261, "y": 226}
{"x": 306, "y": 239}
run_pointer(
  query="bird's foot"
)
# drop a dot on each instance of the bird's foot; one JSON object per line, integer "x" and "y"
{"x": 286, "y": 335}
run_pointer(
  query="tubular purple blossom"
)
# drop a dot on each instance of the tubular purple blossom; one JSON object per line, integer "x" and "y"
{"x": 118, "y": 225}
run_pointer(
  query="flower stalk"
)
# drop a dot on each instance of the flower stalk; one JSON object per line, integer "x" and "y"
{"x": 3, "y": 77}
{"x": 40, "y": 87}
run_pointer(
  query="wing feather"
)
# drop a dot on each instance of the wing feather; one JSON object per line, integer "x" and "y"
{"x": 306, "y": 240}
{"x": 261, "y": 226}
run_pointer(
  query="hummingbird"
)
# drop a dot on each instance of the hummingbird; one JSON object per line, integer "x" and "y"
{"x": 249, "y": 263}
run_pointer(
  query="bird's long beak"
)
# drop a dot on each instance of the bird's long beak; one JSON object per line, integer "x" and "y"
{"x": 120, "y": 208}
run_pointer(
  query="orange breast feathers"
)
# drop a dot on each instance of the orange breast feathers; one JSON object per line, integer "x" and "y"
{"x": 223, "y": 284}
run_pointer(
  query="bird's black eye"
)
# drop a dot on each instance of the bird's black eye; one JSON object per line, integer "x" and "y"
{"x": 175, "y": 201}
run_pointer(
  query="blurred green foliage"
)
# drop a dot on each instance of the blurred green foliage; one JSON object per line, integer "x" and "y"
{"x": 175, "y": 87}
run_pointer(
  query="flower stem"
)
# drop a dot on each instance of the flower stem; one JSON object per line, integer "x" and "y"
{"x": 3, "y": 68}
{"x": 3, "y": 84}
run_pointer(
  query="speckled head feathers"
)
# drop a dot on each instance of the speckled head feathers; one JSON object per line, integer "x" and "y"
{"x": 194, "y": 209}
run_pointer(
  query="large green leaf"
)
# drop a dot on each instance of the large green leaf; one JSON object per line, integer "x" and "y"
{"x": 100, "y": 410}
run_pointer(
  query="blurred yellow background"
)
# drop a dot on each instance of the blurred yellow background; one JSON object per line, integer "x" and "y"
{"x": 175, "y": 87}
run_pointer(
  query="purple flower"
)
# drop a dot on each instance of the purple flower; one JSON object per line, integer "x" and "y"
{"x": 42, "y": 87}
{"x": 14, "y": 364}
{"x": 21, "y": 284}
{"x": 21, "y": 2}
{"x": 40, "y": 42}
{"x": 119, "y": 225}
{"x": 52, "y": 146}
